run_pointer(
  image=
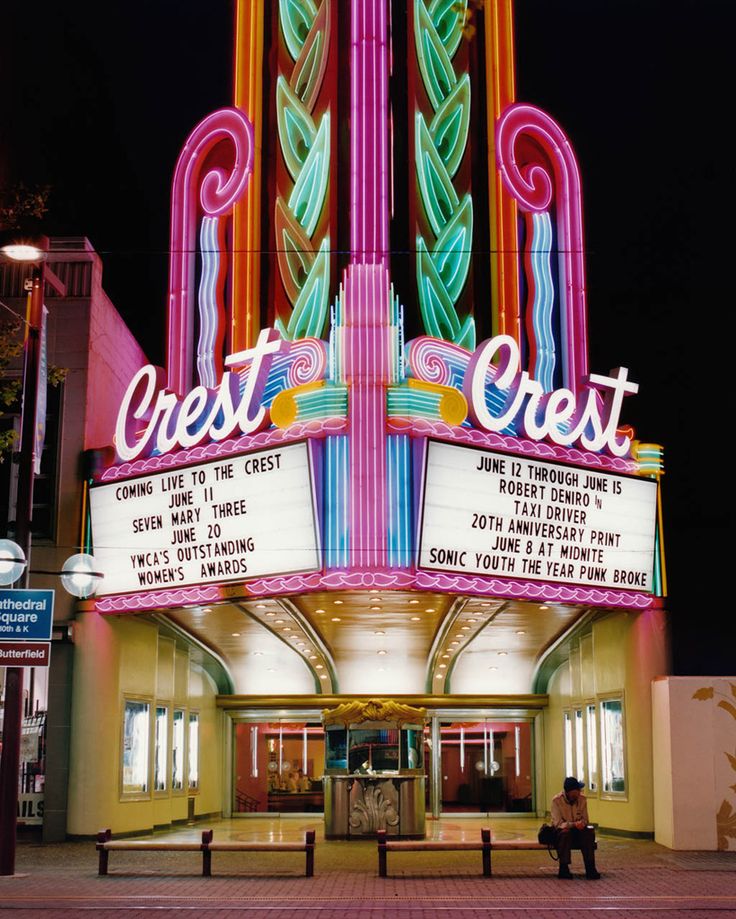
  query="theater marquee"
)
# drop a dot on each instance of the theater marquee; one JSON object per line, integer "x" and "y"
{"x": 243, "y": 517}
{"x": 492, "y": 513}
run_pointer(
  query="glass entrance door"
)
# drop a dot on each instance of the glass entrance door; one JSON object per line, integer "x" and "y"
{"x": 278, "y": 767}
{"x": 486, "y": 766}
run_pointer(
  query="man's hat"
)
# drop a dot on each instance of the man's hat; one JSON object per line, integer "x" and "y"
{"x": 572, "y": 784}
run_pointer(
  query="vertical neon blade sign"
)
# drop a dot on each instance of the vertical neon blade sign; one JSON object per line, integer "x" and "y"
{"x": 367, "y": 303}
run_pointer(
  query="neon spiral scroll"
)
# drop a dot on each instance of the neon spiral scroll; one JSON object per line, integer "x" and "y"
{"x": 527, "y": 176}
{"x": 218, "y": 192}
{"x": 436, "y": 361}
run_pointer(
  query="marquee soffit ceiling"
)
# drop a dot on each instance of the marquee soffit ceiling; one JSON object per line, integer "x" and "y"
{"x": 379, "y": 642}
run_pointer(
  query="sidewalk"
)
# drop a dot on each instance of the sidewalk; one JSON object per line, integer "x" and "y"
{"x": 640, "y": 879}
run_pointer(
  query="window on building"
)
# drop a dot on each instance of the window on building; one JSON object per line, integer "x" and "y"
{"x": 177, "y": 751}
{"x": 160, "y": 748}
{"x": 568, "y": 744}
{"x": 579, "y": 746}
{"x": 193, "y": 750}
{"x": 592, "y": 746}
{"x": 136, "y": 725}
{"x": 612, "y": 746}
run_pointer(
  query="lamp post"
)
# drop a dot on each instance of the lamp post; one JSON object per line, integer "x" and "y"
{"x": 13, "y": 717}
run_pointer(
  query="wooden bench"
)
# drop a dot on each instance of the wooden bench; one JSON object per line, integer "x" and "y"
{"x": 105, "y": 845}
{"x": 485, "y": 847}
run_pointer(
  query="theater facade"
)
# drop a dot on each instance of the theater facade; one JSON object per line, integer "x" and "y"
{"x": 377, "y": 542}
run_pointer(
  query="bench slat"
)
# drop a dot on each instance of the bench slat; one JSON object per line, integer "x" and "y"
{"x": 141, "y": 846}
{"x": 437, "y": 845}
{"x": 257, "y": 847}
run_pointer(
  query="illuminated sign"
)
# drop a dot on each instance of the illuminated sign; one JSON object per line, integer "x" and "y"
{"x": 247, "y": 516}
{"x": 504, "y": 515}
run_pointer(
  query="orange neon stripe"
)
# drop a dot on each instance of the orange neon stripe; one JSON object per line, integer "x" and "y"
{"x": 501, "y": 92}
{"x": 247, "y": 213}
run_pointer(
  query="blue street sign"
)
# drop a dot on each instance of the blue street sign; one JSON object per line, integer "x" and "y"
{"x": 26, "y": 615}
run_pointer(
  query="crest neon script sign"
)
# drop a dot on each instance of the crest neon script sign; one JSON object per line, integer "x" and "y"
{"x": 154, "y": 419}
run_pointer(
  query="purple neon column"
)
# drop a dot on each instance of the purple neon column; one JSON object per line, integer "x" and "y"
{"x": 366, "y": 284}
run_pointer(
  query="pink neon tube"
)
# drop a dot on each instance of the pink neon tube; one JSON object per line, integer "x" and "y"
{"x": 218, "y": 192}
{"x": 534, "y": 188}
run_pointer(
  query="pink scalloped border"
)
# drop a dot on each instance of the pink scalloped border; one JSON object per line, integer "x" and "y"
{"x": 271, "y": 437}
{"x": 385, "y": 579}
{"x": 423, "y": 427}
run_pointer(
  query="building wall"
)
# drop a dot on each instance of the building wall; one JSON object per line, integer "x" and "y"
{"x": 620, "y": 657}
{"x": 126, "y": 658}
{"x": 695, "y": 762}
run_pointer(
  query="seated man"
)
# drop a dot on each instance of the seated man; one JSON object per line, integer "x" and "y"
{"x": 570, "y": 820}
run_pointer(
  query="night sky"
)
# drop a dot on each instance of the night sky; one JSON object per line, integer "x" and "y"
{"x": 98, "y": 97}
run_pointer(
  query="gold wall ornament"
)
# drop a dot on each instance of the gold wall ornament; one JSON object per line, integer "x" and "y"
{"x": 357, "y": 711}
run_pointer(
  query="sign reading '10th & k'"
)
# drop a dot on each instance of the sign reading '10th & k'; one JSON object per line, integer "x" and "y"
{"x": 232, "y": 519}
{"x": 504, "y": 515}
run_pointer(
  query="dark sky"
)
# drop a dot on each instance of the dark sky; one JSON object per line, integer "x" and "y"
{"x": 99, "y": 96}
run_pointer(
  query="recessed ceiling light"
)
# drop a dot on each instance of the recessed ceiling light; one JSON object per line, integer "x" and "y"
{"x": 379, "y": 632}
{"x": 258, "y": 653}
{"x": 260, "y": 605}
{"x": 336, "y": 619}
{"x": 319, "y": 611}
{"x": 319, "y": 667}
{"x": 520, "y": 632}
{"x": 270, "y": 615}
{"x": 472, "y": 620}
{"x": 445, "y": 656}
{"x": 337, "y": 602}
{"x": 374, "y": 590}
{"x": 300, "y": 644}
{"x": 416, "y": 618}
{"x": 544, "y": 607}
{"x": 439, "y": 676}
{"x": 381, "y": 652}
{"x": 375, "y": 607}
{"x": 442, "y": 666}
{"x": 278, "y": 622}
{"x": 323, "y": 676}
{"x": 376, "y": 600}
{"x": 429, "y": 609}
{"x": 503, "y": 653}
{"x": 452, "y": 643}
{"x": 312, "y": 657}
{"x": 235, "y": 634}
{"x": 413, "y": 601}
{"x": 485, "y": 604}
{"x": 460, "y": 635}
{"x": 206, "y": 609}
{"x": 465, "y": 628}
{"x": 493, "y": 668}
{"x": 286, "y": 628}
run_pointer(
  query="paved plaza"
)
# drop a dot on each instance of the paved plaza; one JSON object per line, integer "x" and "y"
{"x": 639, "y": 879}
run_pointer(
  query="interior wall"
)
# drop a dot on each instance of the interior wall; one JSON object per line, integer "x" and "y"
{"x": 119, "y": 658}
{"x": 621, "y": 655}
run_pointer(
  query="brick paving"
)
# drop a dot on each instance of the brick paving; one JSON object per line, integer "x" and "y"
{"x": 640, "y": 879}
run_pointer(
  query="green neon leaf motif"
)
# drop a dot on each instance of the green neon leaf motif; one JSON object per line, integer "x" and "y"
{"x": 448, "y": 17}
{"x": 466, "y": 336}
{"x": 308, "y": 194}
{"x": 296, "y": 18}
{"x": 295, "y": 126}
{"x": 294, "y": 251}
{"x": 438, "y": 310}
{"x": 452, "y": 251}
{"x": 309, "y": 70}
{"x": 434, "y": 62}
{"x": 438, "y": 193}
{"x": 449, "y": 127}
{"x": 310, "y": 310}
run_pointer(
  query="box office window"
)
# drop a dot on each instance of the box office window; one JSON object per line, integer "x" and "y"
{"x": 136, "y": 726}
{"x": 193, "y": 750}
{"x": 591, "y": 735}
{"x": 612, "y": 746}
{"x": 177, "y": 751}
{"x": 160, "y": 742}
